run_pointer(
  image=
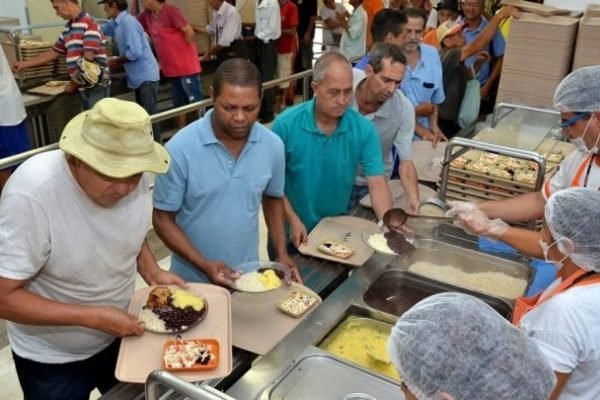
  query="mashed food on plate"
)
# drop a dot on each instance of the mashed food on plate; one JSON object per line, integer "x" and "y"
{"x": 495, "y": 283}
{"x": 258, "y": 281}
{"x": 379, "y": 242}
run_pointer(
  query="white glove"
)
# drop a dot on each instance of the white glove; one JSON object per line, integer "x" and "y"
{"x": 476, "y": 222}
{"x": 460, "y": 207}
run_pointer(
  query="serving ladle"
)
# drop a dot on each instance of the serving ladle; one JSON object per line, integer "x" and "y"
{"x": 394, "y": 218}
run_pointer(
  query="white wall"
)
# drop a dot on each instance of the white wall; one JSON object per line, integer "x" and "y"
{"x": 14, "y": 9}
{"x": 570, "y": 4}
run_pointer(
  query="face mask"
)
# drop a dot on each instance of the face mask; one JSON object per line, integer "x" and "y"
{"x": 580, "y": 145}
{"x": 546, "y": 248}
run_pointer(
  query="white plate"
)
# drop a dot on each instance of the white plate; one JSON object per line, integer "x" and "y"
{"x": 281, "y": 270}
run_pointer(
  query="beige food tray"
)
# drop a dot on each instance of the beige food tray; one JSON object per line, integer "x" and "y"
{"x": 257, "y": 323}
{"x": 428, "y": 159}
{"x": 344, "y": 229}
{"x": 140, "y": 355}
{"x": 48, "y": 90}
{"x": 399, "y": 198}
{"x": 481, "y": 187}
{"x": 492, "y": 180}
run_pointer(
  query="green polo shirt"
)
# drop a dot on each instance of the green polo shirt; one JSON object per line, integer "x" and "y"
{"x": 320, "y": 169}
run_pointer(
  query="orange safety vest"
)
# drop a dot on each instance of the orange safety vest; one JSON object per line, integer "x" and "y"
{"x": 525, "y": 304}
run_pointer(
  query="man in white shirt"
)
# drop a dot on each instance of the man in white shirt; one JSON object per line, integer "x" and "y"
{"x": 267, "y": 31}
{"x": 354, "y": 38}
{"x": 376, "y": 97}
{"x": 73, "y": 225}
{"x": 226, "y": 26}
{"x": 333, "y": 32}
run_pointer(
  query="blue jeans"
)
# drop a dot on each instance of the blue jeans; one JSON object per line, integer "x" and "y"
{"x": 146, "y": 96}
{"x": 73, "y": 381}
{"x": 186, "y": 90}
{"x": 89, "y": 97}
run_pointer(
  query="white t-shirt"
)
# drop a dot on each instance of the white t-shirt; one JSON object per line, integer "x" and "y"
{"x": 70, "y": 249}
{"x": 354, "y": 41}
{"x": 327, "y": 13}
{"x": 566, "y": 328}
{"x": 567, "y": 171}
{"x": 12, "y": 109}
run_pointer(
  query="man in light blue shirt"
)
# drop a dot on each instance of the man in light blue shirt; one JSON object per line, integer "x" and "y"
{"x": 135, "y": 56}
{"x": 223, "y": 167}
{"x": 489, "y": 72}
{"x": 422, "y": 82}
{"x": 325, "y": 143}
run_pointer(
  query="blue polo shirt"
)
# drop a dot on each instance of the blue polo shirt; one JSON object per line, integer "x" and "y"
{"x": 424, "y": 83}
{"x": 320, "y": 169}
{"x": 495, "y": 48}
{"x": 217, "y": 198}
{"x": 133, "y": 44}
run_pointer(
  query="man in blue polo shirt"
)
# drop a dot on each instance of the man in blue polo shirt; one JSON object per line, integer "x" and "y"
{"x": 489, "y": 72}
{"x": 135, "y": 56}
{"x": 222, "y": 167}
{"x": 325, "y": 143}
{"x": 422, "y": 82}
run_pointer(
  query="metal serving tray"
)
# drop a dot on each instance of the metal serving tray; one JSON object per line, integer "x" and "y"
{"x": 469, "y": 261}
{"x": 395, "y": 291}
{"x": 317, "y": 375}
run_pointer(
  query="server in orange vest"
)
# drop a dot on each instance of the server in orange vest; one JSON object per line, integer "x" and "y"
{"x": 577, "y": 98}
{"x": 563, "y": 320}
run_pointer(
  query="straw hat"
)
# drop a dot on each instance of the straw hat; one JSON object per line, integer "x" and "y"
{"x": 446, "y": 29}
{"x": 115, "y": 138}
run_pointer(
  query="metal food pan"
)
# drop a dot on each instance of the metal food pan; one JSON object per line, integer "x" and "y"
{"x": 469, "y": 261}
{"x": 395, "y": 291}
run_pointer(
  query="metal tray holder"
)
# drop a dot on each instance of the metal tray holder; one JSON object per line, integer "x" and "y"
{"x": 459, "y": 146}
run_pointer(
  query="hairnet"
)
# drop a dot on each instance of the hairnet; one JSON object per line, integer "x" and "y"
{"x": 457, "y": 344}
{"x": 579, "y": 91}
{"x": 575, "y": 215}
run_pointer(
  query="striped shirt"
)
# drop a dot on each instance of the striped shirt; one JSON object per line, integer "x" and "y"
{"x": 79, "y": 35}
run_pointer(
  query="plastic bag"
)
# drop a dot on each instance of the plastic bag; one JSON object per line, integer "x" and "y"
{"x": 469, "y": 106}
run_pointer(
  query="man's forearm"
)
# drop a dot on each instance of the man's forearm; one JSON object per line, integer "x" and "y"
{"x": 409, "y": 179}
{"x": 146, "y": 263}
{"x": 526, "y": 207}
{"x": 381, "y": 197}
{"x": 526, "y": 241}
{"x": 273, "y": 209}
{"x": 495, "y": 75}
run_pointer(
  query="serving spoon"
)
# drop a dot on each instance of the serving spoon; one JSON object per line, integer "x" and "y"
{"x": 394, "y": 218}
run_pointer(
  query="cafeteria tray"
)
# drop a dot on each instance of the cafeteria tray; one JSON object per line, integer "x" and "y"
{"x": 513, "y": 185}
{"x": 140, "y": 355}
{"x": 476, "y": 192}
{"x": 399, "y": 198}
{"x": 428, "y": 159}
{"x": 480, "y": 186}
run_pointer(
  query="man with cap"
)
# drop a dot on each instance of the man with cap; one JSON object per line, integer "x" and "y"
{"x": 577, "y": 98}
{"x": 73, "y": 224}
{"x": 453, "y": 346}
{"x": 225, "y": 166}
{"x": 82, "y": 43}
{"x": 453, "y": 54}
{"x": 135, "y": 55}
{"x": 447, "y": 10}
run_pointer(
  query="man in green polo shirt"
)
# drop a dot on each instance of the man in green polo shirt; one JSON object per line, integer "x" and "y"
{"x": 325, "y": 142}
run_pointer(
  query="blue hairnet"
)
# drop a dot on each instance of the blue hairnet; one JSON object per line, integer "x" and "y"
{"x": 575, "y": 214}
{"x": 456, "y": 344}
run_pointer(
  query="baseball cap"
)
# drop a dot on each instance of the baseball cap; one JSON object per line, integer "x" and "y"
{"x": 446, "y": 29}
{"x": 115, "y": 138}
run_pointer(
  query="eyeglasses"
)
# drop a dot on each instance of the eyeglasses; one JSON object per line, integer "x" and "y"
{"x": 567, "y": 123}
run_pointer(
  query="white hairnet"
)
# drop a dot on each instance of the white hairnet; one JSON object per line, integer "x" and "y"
{"x": 575, "y": 214}
{"x": 579, "y": 91}
{"x": 457, "y": 344}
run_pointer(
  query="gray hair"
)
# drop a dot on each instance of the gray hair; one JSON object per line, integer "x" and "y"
{"x": 382, "y": 51}
{"x": 325, "y": 61}
{"x": 236, "y": 72}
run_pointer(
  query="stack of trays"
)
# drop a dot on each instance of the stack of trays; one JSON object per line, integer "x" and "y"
{"x": 587, "y": 50}
{"x": 61, "y": 65}
{"x": 197, "y": 12}
{"x": 31, "y": 49}
{"x": 538, "y": 56}
{"x": 592, "y": 11}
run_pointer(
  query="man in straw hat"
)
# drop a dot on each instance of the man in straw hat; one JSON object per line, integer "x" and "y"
{"x": 73, "y": 224}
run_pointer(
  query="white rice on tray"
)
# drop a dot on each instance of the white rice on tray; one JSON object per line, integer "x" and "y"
{"x": 495, "y": 283}
{"x": 250, "y": 282}
{"x": 151, "y": 320}
{"x": 379, "y": 243}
